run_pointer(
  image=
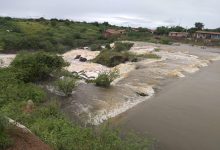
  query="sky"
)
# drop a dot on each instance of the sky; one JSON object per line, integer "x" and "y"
{"x": 134, "y": 13}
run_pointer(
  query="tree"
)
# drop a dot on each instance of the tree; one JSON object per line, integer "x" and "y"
{"x": 199, "y": 25}
{"x": 162, "y": 30}
{"x": 177, "y": 29}
{"x": 105, "y": 23}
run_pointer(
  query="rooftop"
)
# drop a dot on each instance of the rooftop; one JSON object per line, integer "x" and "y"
{"x": 206, "y": 32}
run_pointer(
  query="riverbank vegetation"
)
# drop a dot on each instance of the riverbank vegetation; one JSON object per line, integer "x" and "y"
{"x": 66, "y": 85}
{"x": 104, "y": 79}
{"x": 5, "y": 141}
{"x": 21, "y": 86}
{"x": 112, "y": 58}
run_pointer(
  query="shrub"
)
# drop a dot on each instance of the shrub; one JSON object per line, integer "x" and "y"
{"x": 113, "y": 58}
{"x": 37, "y": 66}
{"x": 157, "y": 50}
{"x": 96, "y": 47}
{"x": 77, "y": 36}
{"x": 12, "y": 88}
{"x": 107, "y": 46}
{"x": 66, "y": 85}
{"x": 165, "y": 41}
{"x": 5, "y": 141}
{"x": 61, "y": 134}
{"x": 150, "y": 56}
{"x": 105, "y": 79}
{"x": 119, "y": 46}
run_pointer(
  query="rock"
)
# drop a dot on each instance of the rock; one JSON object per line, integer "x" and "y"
{"x": 134, "y": 60}
{"x": 142, "y": 94}
{"x": 78, "y": 57}
{"x": 82, "y": 59}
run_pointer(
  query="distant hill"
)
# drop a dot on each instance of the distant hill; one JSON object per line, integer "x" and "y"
{"x": 49, "y": 35}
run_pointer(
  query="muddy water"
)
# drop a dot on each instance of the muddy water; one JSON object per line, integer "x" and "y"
{"x": 184, "y": 115}
{"x": 94, "y": 105}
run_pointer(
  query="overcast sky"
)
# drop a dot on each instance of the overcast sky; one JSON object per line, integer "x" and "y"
{"x": 145, "y": 13}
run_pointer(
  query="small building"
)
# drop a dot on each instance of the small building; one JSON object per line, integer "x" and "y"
{"x": 178, "y": 34}
{"x": 207, "y": 35}
{"x": 113, "y": 33}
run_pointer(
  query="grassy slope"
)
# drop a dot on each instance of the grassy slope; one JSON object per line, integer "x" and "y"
{"x": 58, "y": 35}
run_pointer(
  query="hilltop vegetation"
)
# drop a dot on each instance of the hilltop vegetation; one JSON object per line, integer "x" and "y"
{"x": 61, "y": 35}
{"x": 49, "y": 35}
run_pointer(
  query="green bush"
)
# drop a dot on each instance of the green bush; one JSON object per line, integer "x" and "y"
{"x": 96, "y": 47}
{"x": 61, "y": 134}
{"x": 49, "y": 35}
{"x": 105, "y": 79}
{"x": 137, "y": 36}
{"x": 5, "y": 141}
{"x": 66, "y": 85}
{"x": 113, "y": 58}
{"x": 12, "y": 88}
{"x": 37, "y": 66}
{"x": 119, "y": 46}
{"x": 157, "y": 50}
{"x": 149, "y": 56}
{"x": 165, "y": 41}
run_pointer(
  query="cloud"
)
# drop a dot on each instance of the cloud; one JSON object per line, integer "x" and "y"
{"x": 146, "y": 13}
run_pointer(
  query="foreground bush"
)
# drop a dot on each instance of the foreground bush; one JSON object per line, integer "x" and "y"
{"x": 12, "y": 88}
{"x": 105, "y": 79}
{"x": 61, "y": 134}
{"x": 37, "y": 66}
{"x": 52, "y": 127}
{"x": 123, "y": 46}
{"x": 5, "y": 141}
{"x": 66, "y": 85}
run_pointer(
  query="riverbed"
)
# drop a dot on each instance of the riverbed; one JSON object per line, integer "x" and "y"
{"x": 141, "y": 81}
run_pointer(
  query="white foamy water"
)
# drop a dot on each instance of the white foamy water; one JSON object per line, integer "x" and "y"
{"x": 139, "y": 78}
{"x": 102, "y": 115}
{"x": 90, "y": 69}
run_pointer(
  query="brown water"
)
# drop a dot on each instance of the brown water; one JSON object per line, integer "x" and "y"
{"x": 184, "y": 115}
{"x": 94, "y": 105}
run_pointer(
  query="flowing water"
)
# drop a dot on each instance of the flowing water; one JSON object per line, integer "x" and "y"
{"x": 184, "y": 115}
{"x": 139, "y": 82}
{"x": 174, "y": 99}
